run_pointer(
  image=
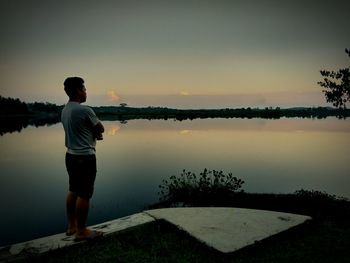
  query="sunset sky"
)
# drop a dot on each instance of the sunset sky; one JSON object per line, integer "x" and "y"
{"x": 184, "y": 54}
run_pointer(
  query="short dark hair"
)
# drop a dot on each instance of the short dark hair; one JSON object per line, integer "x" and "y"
{"x": 72, "y": 85}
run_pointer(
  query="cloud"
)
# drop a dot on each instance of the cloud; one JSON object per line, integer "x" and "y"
{"x": 112, "y": 96}
{"x": 185, "y": 132}
{"x": 184, "y": 93}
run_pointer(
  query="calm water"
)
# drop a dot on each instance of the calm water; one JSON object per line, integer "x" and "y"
{"x": 279, "y": 156}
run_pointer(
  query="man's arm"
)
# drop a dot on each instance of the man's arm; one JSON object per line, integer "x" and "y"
{"x": 97, "y": 127}
{"x": 98, "y": 130}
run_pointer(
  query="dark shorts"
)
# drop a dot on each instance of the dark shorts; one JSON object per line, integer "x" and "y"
{"x": 82, "y": 173}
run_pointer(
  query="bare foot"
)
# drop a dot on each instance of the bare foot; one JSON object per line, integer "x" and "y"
{"x": 87, "y": 234}
{"x": 70, "y": 231}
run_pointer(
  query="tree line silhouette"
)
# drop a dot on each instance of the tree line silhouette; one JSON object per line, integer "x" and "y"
{"x": 16, "y": 115}
{"x": 127, "y": 113}
{"x": 12, "y": 106}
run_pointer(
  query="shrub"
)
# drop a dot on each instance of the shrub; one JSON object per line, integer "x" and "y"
{"x": 315, "y": 195}
{"x": 188, "y": 187}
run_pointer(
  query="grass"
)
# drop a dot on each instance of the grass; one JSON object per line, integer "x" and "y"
{"x": 325, "y": 239}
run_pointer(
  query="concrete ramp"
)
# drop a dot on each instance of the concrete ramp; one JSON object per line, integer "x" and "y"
{"x": 225, "y": 229}
{"x": 50, "y": 243}
{"x": 228, "y": 229}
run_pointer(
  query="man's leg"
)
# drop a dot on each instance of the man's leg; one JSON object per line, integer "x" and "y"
{"x": 82, "y": 210}
{"x": 71, "y": 204}
{"x": 86, "y": 188}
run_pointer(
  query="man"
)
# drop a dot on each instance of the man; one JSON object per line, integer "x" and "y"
{"x": 82, "y": 128}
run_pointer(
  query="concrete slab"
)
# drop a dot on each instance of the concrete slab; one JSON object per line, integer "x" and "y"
{"x": 225, "y": 229}
{"x": 228, "y": 229}
{"x": 42, "y": 245}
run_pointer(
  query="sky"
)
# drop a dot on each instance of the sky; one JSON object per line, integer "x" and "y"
{"x": 181, "y": 54}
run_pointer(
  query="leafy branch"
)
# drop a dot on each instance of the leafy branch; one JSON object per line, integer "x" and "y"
{"x": 336, "y": 85}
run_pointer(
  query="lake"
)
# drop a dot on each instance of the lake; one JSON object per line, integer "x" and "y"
{"x": 271, "y": 156}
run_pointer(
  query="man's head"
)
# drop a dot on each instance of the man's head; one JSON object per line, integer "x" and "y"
{"x": 75, "y": 89}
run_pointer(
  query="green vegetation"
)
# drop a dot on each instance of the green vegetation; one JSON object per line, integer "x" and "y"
{"x": 9, "y": 106}
{"x": 18, "y": 115}
{"x": 189, "y": 187}
{"x": 215, "y": 188}
{"x": 325, "y": 239}
{"x": 159, "y": 242}
{"x": 12, "y": 106}
{"x": 336, "y": 85}
{"x": 128, "y": 113}
{"x": 47, "y": 107}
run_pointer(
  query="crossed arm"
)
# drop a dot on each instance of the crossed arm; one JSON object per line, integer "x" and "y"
{"x": 98, "y": 130}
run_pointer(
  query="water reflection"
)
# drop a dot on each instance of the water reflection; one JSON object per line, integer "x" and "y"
{"x": 17, "y": 124}
{"x": 112, "y": 129}
{"x": 269, "y": 155}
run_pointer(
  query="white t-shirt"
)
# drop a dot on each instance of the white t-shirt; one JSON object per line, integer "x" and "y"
{"x": 78, "y": 122}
